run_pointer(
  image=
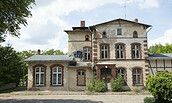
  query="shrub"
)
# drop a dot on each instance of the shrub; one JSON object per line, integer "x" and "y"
{"x": 100, "y": 86}
{"x": 91, "y": 84}
{"x": 149, "y": 100}
{"x": 117, "y": 84}
{"x": 160, "y": 85}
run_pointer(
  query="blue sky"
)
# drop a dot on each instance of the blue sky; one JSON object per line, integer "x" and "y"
{"x": 51, "y": 17}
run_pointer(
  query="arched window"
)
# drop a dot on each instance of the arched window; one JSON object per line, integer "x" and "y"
{"x": 56, "y": 76}
{"x": 137, "y": 76}
{"x": 135, "y": 35}
{"x": 39, "y": 75}
{"x": 104, "y": 35}
{"x": 87, "y": 38}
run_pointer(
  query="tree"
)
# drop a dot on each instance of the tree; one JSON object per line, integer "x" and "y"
{"x": 159, "y": 48}
{"x": 10, "y": 66}
{"x": 160, "y": 86}
{"x": 13, "y": 14}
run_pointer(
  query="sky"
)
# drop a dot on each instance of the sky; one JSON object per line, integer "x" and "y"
{"x": 45, "y": 29}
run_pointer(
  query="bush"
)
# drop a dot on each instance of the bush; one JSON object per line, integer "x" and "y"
{"x": 117, "y": 84}
{"x": 91, "y": 84}
{"x": 100, "y": 86}
{"x": 96, "y": 85}
{"x": 149, "y": 100}
{"x": 160, "y": 85}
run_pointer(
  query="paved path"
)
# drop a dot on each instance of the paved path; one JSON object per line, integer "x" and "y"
{"x": 70, "y": 98}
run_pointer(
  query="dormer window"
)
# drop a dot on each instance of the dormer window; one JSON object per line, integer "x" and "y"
{"x": 86, "y": 38}
{"x": 135, "y": 34}
{"x": 119, "y": 31}
{"x": 104, "y": 34}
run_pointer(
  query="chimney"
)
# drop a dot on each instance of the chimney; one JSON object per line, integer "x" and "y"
{"x": 39, "y": 52}
{"x": 82, "y": 23}
{"x": 136, "y": 20}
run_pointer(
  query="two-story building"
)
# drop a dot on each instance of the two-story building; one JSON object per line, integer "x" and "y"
{"x": 105, "y": 50}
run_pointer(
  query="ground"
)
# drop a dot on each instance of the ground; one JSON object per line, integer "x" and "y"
{"x": 71, "y": 97}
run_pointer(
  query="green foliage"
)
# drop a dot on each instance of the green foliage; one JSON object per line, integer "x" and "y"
{"x": 52, "y": 52}
{"x": 159, "y": 48}
{"x": 160, "y": 85}
{"x": 149, "y": 100}
{"x": 10, "y": 66}
{"x": 100, "y": 86}
{"x": 13, "y": 15}
{"x": 117, "y": 84}
{"x": 96, "y": 85}
{"x": 91, "y": 84}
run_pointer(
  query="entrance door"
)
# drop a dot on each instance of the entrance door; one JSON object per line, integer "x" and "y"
{"x": 81, "y": 77}
{"x": 106, "y": 74}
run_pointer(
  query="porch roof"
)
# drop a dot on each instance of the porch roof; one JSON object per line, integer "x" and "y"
{"x": 160, "y": 56}
{"x": 49, "y": 58}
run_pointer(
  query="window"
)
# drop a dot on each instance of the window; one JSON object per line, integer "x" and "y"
{"x": 119, "y": 31}
{"x": 120, "y": 51}
{"x": 39, "y": 76}
{"x": 87, "y": 53}
{"x": 104, "y": 34}
{"x": 57, "y": 76}
{"x": 104, "y": 51}
{"x": 81, "y": 77}
{"x": 86, "y": 38}
{"x": 136, "y": 76}
{"x": 135, "y": 51}
{"x": 135, "y": 34}
{"x": 121, "y": 72}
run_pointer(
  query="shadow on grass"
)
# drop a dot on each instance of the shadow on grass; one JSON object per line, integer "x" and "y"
{"x": 13, "y": 90}
{"x": 47, "y": 101}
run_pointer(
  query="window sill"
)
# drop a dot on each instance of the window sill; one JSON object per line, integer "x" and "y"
{"x": 38, "y": 85}
{"x": 81, "y": 85}
{"x": 56, "y": 85}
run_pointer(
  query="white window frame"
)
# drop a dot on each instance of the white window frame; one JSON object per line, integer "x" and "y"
{"x": 117, "y": 31}
{"x": 135, "y": 51}
{"x": 57, "y": 74}
{"x": 119, "y": 51}
{"x": 86, "y": 52}
{"x": 39, "y": 74}
{"x": 137, "y": 75}
{"x": 104, "y": 50}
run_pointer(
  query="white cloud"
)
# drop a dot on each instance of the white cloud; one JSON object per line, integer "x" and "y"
{"x": 45, "y": 28}
{"x": 149, "y": 4}
{"x": 166, "y": 38}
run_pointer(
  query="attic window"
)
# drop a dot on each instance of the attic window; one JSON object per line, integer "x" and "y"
{"x": 104, "y": 34}
{"x": 135, "y": 34}
{"x": 86, "y": 38}
{"x": 119, "y": 31}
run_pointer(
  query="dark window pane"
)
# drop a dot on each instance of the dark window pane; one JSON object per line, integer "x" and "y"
{"x": 119, "y": 31}
{"x": 42, "y": 78}
{"x": 54, "y": 78}
{"x": 37, "y": 69}
{"x": 79, "y": 73}
{"x": 37, "y": 78}
{"x": 59, "y": 79}
{"x": 117, "y": 54}
{"x": 82, "y": 72}
{"x": 102, "y": 54}
{"x": 106, "y": 54}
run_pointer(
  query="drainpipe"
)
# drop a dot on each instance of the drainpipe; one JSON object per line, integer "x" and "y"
{"x": 91, "y": 47}
{"x": 23, "y": 73}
